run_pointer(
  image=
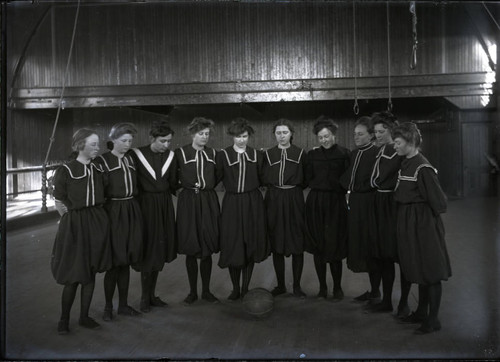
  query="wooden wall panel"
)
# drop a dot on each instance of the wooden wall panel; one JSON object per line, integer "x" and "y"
{"x": 162, "y": 43}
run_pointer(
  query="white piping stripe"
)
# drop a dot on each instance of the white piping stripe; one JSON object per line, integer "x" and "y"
{"x": 145, "y": 162}
{"x": 167, "y": 164}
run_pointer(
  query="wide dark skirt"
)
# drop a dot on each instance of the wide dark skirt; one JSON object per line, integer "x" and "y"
{"x": 198, "y": 219}
{"x": 125, "y": 218}
{"x": 326, "y": 225}
{"x": 285, "y": 220}
{"x": 386, "y": 212}
{"x": 82, "y": 246}
{"x": 362, "y": 230}
{"x": 421, "y": 245}
{"x": 160, "y": 235}
{"x": 243, "y": 229}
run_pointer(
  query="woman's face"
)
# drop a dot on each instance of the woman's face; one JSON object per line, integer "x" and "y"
{"x": 361, "y": 136}
{"x": 161, "y": 143}
{"x": 241, "y": 140}
{"x": 383, "y": 134}
{"x": 91, "y": 147}
{"x": 326, "y": 138}
{"x": 283, "y": 135}
{"x": 402, "y": 147}
{"x": 200, "y": 138}
{"x": 123, "y": 143}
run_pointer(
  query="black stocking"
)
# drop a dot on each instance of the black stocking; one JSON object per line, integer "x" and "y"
{"x": 297, "y": 267}
{"x": 247, "y": 275}
{"x": 388, "y": 274}
{"x": 123, "y": 283}
{"x": 279, "y": 268}
{"x": 206, "y": 273}
{"x": 67, "y": 299}
{"x": 435, "y": 291}
{"x": 423, "y": 301}
{"x": 336, "y": 270}
{"x": 192, "y": 271}
{"x": 146, "y": 287}
{"x": 235, "y": 274}
{"x": 110, "y": 280}
{"x": 405, "y": 290}
{"x": 87, "y": 291}
{"x": 152, "y": 286}
{"x": 320, "y": 267}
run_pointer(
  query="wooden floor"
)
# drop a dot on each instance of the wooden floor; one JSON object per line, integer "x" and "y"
{"x": 308, "y": 329}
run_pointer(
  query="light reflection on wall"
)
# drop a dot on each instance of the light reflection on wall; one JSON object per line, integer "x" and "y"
{"x": 490, "y": 73}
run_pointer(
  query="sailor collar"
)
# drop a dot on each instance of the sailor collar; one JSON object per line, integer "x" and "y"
{"x": 189, "y": 154}
{"x": 78, "y": 170}
{"x": 113, "y": 163}
{"x": 232, "y": 156}
{"x": 292, "y": 154}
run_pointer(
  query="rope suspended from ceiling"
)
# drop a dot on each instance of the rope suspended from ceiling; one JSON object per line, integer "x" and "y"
{"x": 413, "y": 60}
{"x": 60, "y": 105}
{"x": 61, "y": 102}
{"x": 356, "y": 105}
{"x": 389, "y": 102}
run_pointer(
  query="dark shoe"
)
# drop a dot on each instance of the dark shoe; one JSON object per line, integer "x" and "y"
{"x": 107, "y": 316}
{"x": 190, "y": 299}
{"x": 157, "y": 302}
{"x": 338, "y": 295}
{"x": 278, "y": 291}
{"x": 89, "y": 323}
{"x": 363, "y": 297}
{"x": 145, "y": 307}
{"x": 403, "y": 312}
{"x": 128, "y": 310}
{"x": 322, "y": 293}
{"x": 297, "y": 292}
{"x": 413, "y": 318}
{"x": 427, "y": 328}
{"x": 235, "y": 295}
{"x": 209, "y": 297}
{"x": 381, "y": 308}
{"x": 243, "y": 293}
{"x": 63, "y": 326}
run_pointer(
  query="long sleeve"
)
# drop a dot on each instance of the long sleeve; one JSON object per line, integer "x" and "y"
{"x": 60, "y": 186}
{"x": 430, "y": 189}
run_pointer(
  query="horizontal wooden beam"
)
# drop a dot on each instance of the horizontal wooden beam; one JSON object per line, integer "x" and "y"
{"x": 433, "y": 85}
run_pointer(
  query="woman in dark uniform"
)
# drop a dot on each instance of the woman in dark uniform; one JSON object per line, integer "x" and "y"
{"x": 421, "y": 245}
{"x": 284, "y": 176}
{"x": 326, "y": 210}
{"x": 157, "y": 181}
{"x": 243, "y": 233}
{"x": 384, "y": 179}
{"x": 124, "y": 215}
{"x": 82, "y": 247}
{"x": 361, "y": 198}
{"x": 198, "y": 209}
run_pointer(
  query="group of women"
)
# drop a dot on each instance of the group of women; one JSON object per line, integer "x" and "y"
{"x": 375, "y": 206}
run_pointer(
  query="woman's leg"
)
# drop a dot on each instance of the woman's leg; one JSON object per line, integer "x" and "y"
{"x": 246, "y": 276}
{"x": 279, "y": 269}
{"x": 297, "y": 267}
{"x": 67, "y": 299}
{"x": 320, "y": 267}
{"x": 336, "y": 270}
{"x": 87, "y": 292}
{"x": 235, "y": 274}
{"x": 192, "y": 271}
{"x": 123, "y": 282}
{"x": 110, "y": 280}
{"x": 206, "y": 273}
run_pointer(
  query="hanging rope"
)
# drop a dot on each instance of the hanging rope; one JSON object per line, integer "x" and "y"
{"x": 52, "y": 137}
{"x": 413, "y": 60}
{"x": 389, "y": 102}
{"x": 492, "y": 17}
{"x": 356, "y": 105}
